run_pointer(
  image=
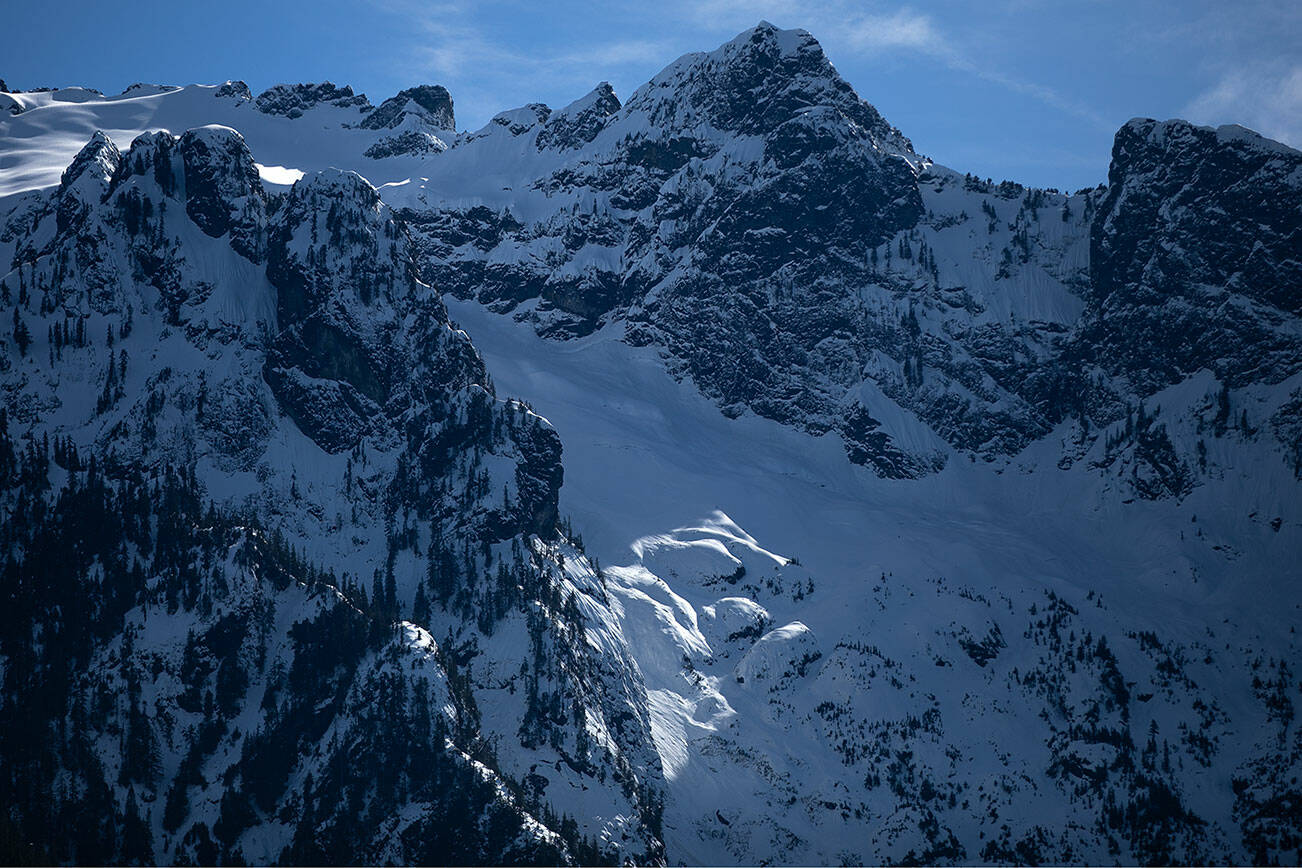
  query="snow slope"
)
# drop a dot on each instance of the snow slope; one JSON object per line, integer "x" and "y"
{"x": 37, "y": 144}
{"x": 662, "y": 484}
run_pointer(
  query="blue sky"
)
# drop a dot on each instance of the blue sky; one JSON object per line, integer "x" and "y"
{"x": 1031, "y": 90}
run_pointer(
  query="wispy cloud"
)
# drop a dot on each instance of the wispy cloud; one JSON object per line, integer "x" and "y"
{"x": 453, "y": 43}
{"x": 1046, "y": 95}
{"x": 910, "y": 31}
{"x": 1267, "y": 98}
{"x": 901, "y": 29}
{"x": 450, "y": 43}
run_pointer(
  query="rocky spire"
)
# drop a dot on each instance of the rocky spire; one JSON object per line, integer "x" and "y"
{"x": 430, "y": 104}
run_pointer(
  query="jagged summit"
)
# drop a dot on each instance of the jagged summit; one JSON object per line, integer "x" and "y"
{"x": 518, "y": 120}
{"x": 601, "y": 98}
{"x": 1196, "y": 256}
{"x": 99, "y": 152}
{"x": 579, "y": 122}
{"x": 428, "y": 104}
{"x": 86, "y": 180}
{"x": 1178, "y": 128}
{"x": 763, "y": 77}
{"x": 292, "y": 100}
{"x": 234, "y": 89}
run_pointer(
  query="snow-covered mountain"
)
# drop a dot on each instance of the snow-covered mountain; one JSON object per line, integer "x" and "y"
{"x": 279, "y": 356}
{"x": 943, "y": 520}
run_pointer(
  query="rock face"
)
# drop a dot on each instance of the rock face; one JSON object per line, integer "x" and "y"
{"x": 429, "y": 103}
{"x": 405, "y": 144}
{"x": 579, "y": 122}
{"x": 84, "y": 181}
{"x": 223, "y": 193}
{"x": 784, "y": 246}
{"x": 1195, "y": 265}
{"x": 243, "y": 328}
{"x": 1196, "y": 256}
{"x": 713, "y": 211}
{"x": 236, "y": 90}
{"x": 291, "y": 100}
{"x": 418, "y": 117}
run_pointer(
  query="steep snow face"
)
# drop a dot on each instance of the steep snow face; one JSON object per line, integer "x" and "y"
{"x": 1026, "y": 665}
{"x": 281, "y": 351}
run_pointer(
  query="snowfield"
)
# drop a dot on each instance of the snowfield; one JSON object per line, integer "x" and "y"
{"x": 662, "y": 485}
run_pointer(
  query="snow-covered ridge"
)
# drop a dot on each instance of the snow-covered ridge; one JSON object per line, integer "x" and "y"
{"x": 280, "y": 348}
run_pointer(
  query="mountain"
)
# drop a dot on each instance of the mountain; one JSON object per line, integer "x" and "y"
{"x": 943, "y": 520}
{"x": 1196, "y": 256}
{"x": 220, "y": 335}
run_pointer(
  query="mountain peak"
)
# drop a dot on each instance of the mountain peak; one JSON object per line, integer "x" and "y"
{"x": 769, "y": 35}
{"x": 223, "y": 193}
{"x": 233, "y": 89}
{"x": 429, "y": 103}
{"x": 754, "y": 83}
{"x": 1191, "y": 206}
{"x": 602, "y": 98}
{"x": 98, "y": 152}
{"x": 1176, "y": 129}
{"x": 580, "y": 121}
{"x": 291, "y": 100}
{"x": 86, "y": 179}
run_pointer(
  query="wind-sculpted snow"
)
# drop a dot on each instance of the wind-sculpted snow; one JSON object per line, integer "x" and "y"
{"x": 822, "y": 682}
{"x": 935, "y": 720}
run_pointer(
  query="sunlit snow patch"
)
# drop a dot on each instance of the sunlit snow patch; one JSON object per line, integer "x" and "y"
{"x": 278, "y": 175}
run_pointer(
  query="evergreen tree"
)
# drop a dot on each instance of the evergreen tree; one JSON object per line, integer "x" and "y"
{"x": 22, "y": 336}
{"x": 136, "y": 846}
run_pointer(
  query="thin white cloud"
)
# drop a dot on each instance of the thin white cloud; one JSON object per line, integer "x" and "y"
{"x": 615, "y": 54}
{"x": 906, "y": 30}
{"x": 1266, "y": 98}
{"x": 452, "y": 44}
{"x": 902, "y": 29}
{"x": 487, "y": 74}
{"x": 1046, "y": 95}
